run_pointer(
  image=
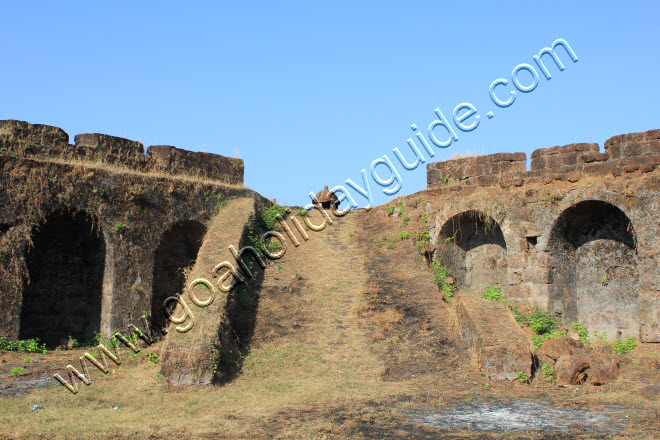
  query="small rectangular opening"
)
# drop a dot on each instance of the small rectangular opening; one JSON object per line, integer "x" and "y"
{"x": 531, "y": 243}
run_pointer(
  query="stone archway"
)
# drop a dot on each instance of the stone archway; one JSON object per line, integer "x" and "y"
{"x": 176, "y": 252}
{"x": 472, "y": 247}
{"x": 62, "y": 297}
{"x": 593, "y": 269}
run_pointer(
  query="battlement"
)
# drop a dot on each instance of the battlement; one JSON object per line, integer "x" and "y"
{"x": 623, "y": 154}
{"x": 22, "y": 139}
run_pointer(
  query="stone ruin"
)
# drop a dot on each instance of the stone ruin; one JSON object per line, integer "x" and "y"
{"x": 577, "y": 233}
{"x": 96, "y": 233}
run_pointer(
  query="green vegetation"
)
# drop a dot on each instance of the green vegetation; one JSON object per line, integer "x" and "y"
{"x": 377, "y": 243}
{"x": 274, "y": 245}
{"x": 219, "y": 204}
{"x": 24, "y": 346}
{"x": 119, "y": 227}
{"x": 539, "y": 321}
{"x": 152, "y": 357}
{"x": 600, "y": 337}
{"x": 548, "y": 372}
{"x": 271, "y": 214}
{"x": 298, "y": 276}
{"x": 493, "y": 293}
{"x": 390, "y": 209}
{"x": 244, "y": 297}
{"x": 390, "y": 246}
{"x": 424, "y": 236}
{"x": 72, "y": 344}
{"x": 447, "y": 178}
{"x": 301, "y": 212}
{"x": 402, "y": 213}
{"x": 542, "y": 323}
{"x": 127, "y": 215}
{"x": 17, "y": 371}
{"x": 624, "y": 346}
{"x": 538, "y": 340}
{"x": 404, "y": 235}
{"x": 424, "y": 217}
{"x": 522, "y": 377}
{"x": 450, "y": 238}
{"x": 582, "y": 332}
{"x": 439, "y": 276}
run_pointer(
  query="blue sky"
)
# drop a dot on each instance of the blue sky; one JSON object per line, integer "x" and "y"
{"x": 311, "y": 93}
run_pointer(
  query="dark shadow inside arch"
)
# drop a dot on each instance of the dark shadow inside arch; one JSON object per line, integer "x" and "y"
{"x": 176, "y": 252}
{"x": 472, "y": 247}
{"x": 593, "y": 269}
{"x": 62, "y": 297}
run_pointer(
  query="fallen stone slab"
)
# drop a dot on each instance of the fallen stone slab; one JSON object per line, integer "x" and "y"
{"x": 490, "y": 329}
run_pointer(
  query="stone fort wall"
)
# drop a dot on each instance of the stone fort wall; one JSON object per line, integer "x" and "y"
{"x": 578, "y": 232}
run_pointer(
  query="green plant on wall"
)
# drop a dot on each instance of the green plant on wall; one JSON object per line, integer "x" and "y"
{"x": 219, "y": 204}
{"x": 440, "y": 277}
{"x": 624, "y": 346}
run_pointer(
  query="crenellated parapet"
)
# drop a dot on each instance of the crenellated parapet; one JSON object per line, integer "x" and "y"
{"x": 623, "y": 154}
{"x": 22, "y": 139}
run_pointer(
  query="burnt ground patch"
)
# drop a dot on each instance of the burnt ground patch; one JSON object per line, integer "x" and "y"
{"x": 403, "y": 310}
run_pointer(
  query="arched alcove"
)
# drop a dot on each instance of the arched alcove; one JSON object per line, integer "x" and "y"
{"x": 593, "y": 268}
{"x": 472, "y": 247}
{"x": 176, "y": 251}
{"x": 62, "y": 297}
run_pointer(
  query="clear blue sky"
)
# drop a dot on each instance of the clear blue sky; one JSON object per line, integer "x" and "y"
{"x": 310, "y": 93}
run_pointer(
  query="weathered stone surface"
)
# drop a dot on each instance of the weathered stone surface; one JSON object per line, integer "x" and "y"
{"x": 110, "y": 149}
{"x": 557, "y": 347}
{"x": 131, "y": 213}
{"x": 571, "y": 370}
{"x": 506, "y": 168}
{"x": 596, "y": 233}
{"x": 602, "y": 370}
{"x": 22, "y": 139}
{"x": 166, "y": 158}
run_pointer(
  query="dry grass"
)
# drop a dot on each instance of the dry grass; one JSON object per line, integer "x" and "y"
{"x": 387, "y": 318}
{"x": 114, "y": 169}
{"x": 463, "y": 155}
{"x": 312, "y": 371}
